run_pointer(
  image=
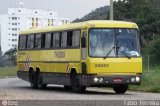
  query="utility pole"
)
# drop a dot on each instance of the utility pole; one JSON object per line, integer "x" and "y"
{"x": 111, "y": 10}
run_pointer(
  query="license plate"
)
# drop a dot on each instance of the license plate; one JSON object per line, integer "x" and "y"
{"x": 118, "y": 80}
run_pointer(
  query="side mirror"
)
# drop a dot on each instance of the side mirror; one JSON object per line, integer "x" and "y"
{"x": 141, "y": 41}
{"x": 83, "y": 42}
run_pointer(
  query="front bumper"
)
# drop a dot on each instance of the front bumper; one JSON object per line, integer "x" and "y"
{"x": 94, "y": 80}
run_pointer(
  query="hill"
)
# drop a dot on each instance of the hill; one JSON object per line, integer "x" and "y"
{"x": 98, "y": 14}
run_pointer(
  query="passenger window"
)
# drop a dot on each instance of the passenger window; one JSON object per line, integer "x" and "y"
{"x": 30, "y": 42}
{"x": 48, "y": 40}
{"x": 38, "y": 41}
{"x": 76, "y": 38}
{"x": 22, "y": 42}
{"x": 64, "y": 39}
{"x": 56, "y": 40}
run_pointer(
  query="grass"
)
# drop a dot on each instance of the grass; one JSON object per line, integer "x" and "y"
{"x": 7, "y": 71}
{"x": 150, "y": 81}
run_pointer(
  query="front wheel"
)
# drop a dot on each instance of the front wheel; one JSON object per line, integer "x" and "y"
{"x": 75, "y": 84}
{"x": 67, "y": 87}
{"x": 120, "y": 89}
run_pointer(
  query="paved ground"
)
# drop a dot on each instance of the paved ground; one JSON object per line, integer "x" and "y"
{"x": 16, "y": 89}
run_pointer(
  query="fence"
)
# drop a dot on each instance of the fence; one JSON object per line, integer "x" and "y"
{"x": 151, "y": 61}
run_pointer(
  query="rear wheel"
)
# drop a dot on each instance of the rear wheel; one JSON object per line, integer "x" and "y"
{"x": 75, "y": 84}
{"x": 33, "y": 79}
{"x": 120, "y": 89}
{"x": 40, "y": 83}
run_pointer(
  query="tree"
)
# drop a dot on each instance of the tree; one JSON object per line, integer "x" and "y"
{"x": 12, "y": 55}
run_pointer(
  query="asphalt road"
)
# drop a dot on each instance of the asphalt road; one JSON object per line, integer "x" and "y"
{"x": 20, "y": 91}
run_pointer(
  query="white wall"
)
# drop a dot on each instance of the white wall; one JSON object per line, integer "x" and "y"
{"x": 4, "y": 34}
{"x": 24, "y": 21}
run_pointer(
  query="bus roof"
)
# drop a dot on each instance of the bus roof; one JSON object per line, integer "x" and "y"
{"x": 84, "y": 25}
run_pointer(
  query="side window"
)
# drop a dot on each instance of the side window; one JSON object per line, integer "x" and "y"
{"x": 64, "y": 39}
{"x": 76, "y": 38}
{"x": 30, "y": 42}
{"x": 48, "y": 40}
{"x": 56, "y": 40}
{"x": 22, "y": 42}
{"x": 38, "y": 41}
{"x": 69, "y": 38}
{"x": 43, "y": 40}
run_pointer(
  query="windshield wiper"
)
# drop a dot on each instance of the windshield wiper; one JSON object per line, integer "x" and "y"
{"x": 129, "y": 57}
{"x": 109, "y": 52}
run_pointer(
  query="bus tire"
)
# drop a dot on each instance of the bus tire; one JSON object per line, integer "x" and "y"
{"x": 120, "y": 89}
{"x": 40, "y": 83}
{"x": 75, "y": 84}
{"x": 67, "y": 87}
{"x": 33, "y": 80}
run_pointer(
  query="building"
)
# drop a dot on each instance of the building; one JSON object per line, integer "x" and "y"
{"x": 22, "y": 18}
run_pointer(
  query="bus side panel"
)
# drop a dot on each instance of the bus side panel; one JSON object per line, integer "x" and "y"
{"x": 54, "y": 65}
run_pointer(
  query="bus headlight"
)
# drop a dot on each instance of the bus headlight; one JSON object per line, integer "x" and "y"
{"x": 137, "y": 79}
{"x": 95, "y": 79}
{"x": 133, "y": 79}
{"x": 100, "y": 80}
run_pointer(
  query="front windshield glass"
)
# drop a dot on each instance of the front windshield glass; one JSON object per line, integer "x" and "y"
{"x": 101, "y": 41}
{"x": 113, "y": 43}
{"x": 127, "y": 42}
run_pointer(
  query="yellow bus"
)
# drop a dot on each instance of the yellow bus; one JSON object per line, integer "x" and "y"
{"x": 79, "y": 55}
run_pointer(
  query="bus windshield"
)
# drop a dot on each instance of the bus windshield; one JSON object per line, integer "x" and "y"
{"x": 114, "y": 43}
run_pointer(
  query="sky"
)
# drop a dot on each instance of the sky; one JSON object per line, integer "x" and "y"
{"x": 65, "y": 8}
